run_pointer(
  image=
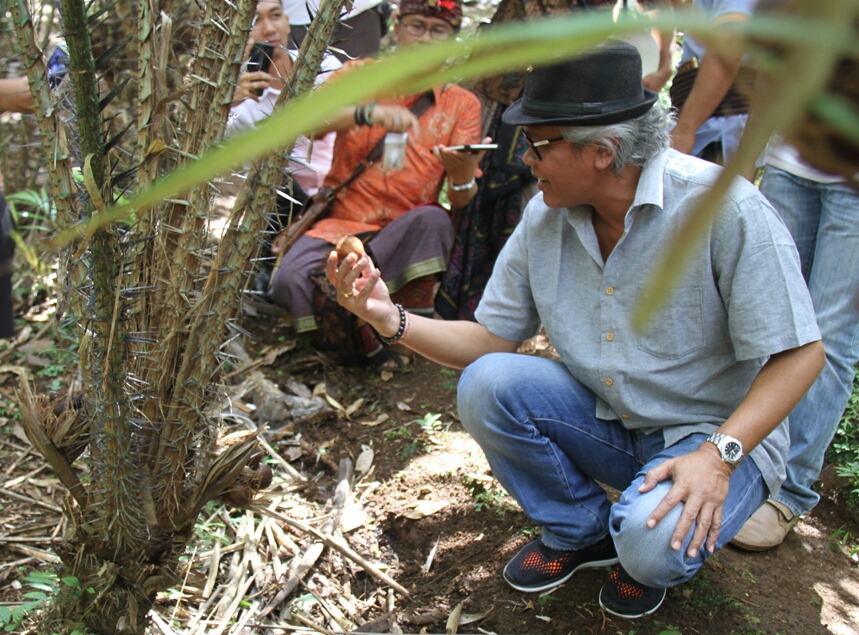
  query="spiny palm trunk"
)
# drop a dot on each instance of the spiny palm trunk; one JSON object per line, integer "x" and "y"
{"x": 153, "y": 313}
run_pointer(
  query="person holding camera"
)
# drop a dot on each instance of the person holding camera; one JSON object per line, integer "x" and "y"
{"x": 267, "y": 70}
{"x": 392, "y": 204}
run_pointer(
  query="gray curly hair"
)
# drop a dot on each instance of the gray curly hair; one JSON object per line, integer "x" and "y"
{"x": 632, "y": 142}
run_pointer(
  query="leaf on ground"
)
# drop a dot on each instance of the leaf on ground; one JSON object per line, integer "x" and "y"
{"x": 320, "y": 389}
{"x": 19, "y": 433}
{"x": 402, "y": 405}
{"x": 40, "y": 314}
{"x": 377, "y": 421}
{"x": 354, "y": 516}
{"x": 365, "y": 460}
{"x": 428, "y": 564}
{"x": 21, "y": 371}
{"x": 434, "y": 440}
{"x": 353, "y": 408}
{"x": 38, "y": 346}
{"x": 386, "y": 375}
{"x": 271, "y": 353}
{"x": 452, "y": 625}
{"x": 334, "y": 403}
{"x": 470, "y": 618}
{"x": 36, "y": 360}
{"x": 426, "y": 508}
{"x": 24, "y": 334}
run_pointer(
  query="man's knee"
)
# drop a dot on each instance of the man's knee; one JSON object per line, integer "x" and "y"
{"x": 646, "y": 553}
{"x": 477, "y": 386}
{"x": 428, "y": 216}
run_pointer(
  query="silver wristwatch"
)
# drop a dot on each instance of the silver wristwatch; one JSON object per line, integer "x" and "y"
{"x": 730, "y": 448}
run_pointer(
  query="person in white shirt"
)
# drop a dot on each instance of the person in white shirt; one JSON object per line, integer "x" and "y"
{"x": 310, "y": 160}
{"x": 819, "y": 210}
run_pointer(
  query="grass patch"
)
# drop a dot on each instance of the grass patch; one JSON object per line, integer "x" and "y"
{"x": 843, "y": 453}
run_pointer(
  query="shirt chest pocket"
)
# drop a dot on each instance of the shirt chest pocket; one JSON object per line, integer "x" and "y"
{"x": 678, "y": 329}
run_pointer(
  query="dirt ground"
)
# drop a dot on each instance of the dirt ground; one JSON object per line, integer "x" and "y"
{"x": 808, "y": 585}
{"x": 444, "y": 529}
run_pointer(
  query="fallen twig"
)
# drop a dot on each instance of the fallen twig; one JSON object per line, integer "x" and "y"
{"x": 29, "y": 499}
{"x": 39, "y": 554}
{"x": 308, "y": 622}
{"x": 335, "y": 543}
{"x": 300, "y": 567}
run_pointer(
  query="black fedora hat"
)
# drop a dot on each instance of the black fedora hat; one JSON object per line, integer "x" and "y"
{"x": 598, "y": 88}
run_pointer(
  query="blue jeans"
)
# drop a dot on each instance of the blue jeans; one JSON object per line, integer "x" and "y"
{"x": 537, "y": 426}
{"x": 823, "y": 219}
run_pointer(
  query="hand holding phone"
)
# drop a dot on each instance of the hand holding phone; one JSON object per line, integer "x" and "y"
{"x": 474, "y": 147}
{"x": 260, "y": 61}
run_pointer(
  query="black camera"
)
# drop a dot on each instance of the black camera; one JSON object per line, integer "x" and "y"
{"x": 260, "y": 60}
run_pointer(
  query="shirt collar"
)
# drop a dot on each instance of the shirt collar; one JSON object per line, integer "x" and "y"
{"x": 648, "y": 192}
{"x": 650, "y": 183}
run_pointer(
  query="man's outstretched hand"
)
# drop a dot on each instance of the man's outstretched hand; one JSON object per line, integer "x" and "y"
{"x": 360, "y": 290}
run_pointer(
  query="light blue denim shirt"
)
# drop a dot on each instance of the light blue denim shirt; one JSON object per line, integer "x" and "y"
{"x": 741, "y": 299}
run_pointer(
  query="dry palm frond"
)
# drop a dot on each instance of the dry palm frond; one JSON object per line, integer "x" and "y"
{"x": 60, "y": 438}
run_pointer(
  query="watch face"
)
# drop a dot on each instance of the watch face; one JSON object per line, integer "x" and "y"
{"x": 732, "y": 450}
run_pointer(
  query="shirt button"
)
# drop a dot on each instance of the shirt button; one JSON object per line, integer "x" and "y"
{"x": 609, "y": 336}
{"x": 609, "y": 381}
{"x": 609, "y": 290}
{"x": 624, "y": 416}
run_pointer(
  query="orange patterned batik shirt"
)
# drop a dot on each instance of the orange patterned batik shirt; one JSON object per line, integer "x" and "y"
{"x": 377, "y": 197}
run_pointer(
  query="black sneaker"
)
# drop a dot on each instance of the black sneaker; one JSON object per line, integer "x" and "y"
{"x": 621, "y": 595}
{"x": 538, "y": 568}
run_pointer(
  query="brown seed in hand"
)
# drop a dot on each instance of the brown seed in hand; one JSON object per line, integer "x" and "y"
{"x": 348, "y": 245}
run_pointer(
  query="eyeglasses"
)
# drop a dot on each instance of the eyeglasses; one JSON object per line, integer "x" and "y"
{"x": 419, "y": 28}
{"x": 537, "y": 144}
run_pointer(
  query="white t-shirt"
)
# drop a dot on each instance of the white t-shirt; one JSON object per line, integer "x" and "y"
{"x": 310, "y": 159}
{"x": 785, "y": 157}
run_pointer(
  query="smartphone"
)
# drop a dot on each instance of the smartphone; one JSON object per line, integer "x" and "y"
{"x": 474, "y": 147}
{"x": 260, "y": 60}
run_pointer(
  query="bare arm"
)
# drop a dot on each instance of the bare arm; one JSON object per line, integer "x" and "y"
{"x": 15, "y": 95}
{"x": 716, "y": 73}
{"x": 451, "y": 343}
{"x": 658, "y": 78}
{"x": 392, "y": 118}
{"x": 700, "y": 478}
{"x": 776, "y": 390}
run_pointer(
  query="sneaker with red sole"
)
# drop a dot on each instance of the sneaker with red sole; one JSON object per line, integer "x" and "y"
{"x": 623, "y": 596}
{"x": 539, "y": 568}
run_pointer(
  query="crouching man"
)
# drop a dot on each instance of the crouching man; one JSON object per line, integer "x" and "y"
{"x": 687, "y": 418}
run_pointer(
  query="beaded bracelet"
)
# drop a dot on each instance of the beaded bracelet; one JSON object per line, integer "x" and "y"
{"x": 363, "y": 112}
{"x": 401, "y": 332}
{"x": 368, "y": 113}
{"x": 464, "y": 187}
